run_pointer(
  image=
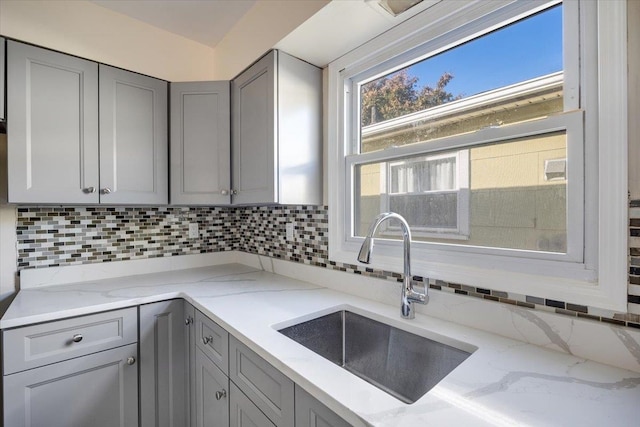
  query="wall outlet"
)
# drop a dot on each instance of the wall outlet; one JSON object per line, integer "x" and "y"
{"x": 290, "y": 231}
{"x": 194, "y": 233}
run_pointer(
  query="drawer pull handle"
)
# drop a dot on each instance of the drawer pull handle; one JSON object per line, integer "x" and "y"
{"x": 207, "y": 340}
{"x": 77, "y": 338}
{"x": 131, "y": 360}
{"x": 220, "y": 394}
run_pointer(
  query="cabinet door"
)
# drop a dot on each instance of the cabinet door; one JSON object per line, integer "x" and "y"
{"x": 212, "y": 393}
{"x": 266, "y": 386}
{"x": 99, "y": 390}
{"x": 244, "y": 413}
{"x": 52, "y": 101}
{"x": 311, "y": 413}
{"x": 133, "y": 138}
{"x": 200, "y": 143}
{"x": 164, "y": 379}
{"x": 2, "y": 81}
{"x": 254, "y": 133}
{"x": 190, "y": 345}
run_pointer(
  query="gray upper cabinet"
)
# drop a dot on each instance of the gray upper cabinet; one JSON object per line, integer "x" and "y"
{"x": 2, "y": 80}
{"x": 164, "y": 367}
{"x": 133, "y": 138}
{"x": 200, "y": 143}
{"x": 277, "y": 135}
{"x": 82, "y": 133}
{"x": 52, "y": 102}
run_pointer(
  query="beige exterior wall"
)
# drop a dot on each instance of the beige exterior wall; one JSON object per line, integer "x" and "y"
{"x": 511, "y": 203}
{"x": 515, "y": 164}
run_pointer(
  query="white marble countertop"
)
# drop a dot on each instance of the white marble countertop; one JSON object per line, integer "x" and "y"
{"x": 504, "y": 382}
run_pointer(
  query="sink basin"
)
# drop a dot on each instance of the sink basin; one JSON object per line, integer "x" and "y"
{"x": 398, "y": 362}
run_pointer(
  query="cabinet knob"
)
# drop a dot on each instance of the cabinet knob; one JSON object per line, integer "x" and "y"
{"x": 131, "y": 360}
{"x": 234, "y": 192}
{"x": 224, "y": 192}
{"x": 207, "y": 340}
{"x": 188, "y": 320}
{"x": 105, "y": 190}
{"x": 89, "y": 190}
{"x": 77, "y": 338}
{"x": 220, "y": 394}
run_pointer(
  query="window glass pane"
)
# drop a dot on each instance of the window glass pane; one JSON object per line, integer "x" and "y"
{"x": 510, "y": 75}
{"x": 507, "y": 195}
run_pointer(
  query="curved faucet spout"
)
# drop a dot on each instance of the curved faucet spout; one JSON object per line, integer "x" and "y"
{"x": 409, "y": 295}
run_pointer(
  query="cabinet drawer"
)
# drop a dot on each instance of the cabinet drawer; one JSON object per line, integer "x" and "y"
{"x": 266, "y": 386}
{"x": 37, "y": 345}
{"x": 213, "y": 340}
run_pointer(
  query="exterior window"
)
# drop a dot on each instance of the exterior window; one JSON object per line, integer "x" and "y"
{"x": 507, "y": 76}
{"x": 430, "y": 192}
{"x": 497, "y": 194}
{"x": 493, "y": 129}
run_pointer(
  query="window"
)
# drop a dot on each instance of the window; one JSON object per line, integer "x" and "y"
{"x": 430, "y": 192}
{"x": 481, "y": 124}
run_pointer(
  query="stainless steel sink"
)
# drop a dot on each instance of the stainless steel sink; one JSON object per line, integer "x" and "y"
{"x": 398, "y": 362}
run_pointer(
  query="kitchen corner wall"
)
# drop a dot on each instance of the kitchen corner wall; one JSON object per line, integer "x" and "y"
{"x": 59, "y": 236}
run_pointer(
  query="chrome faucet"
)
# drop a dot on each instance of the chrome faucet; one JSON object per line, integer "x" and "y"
{"x": 409, "y": 295}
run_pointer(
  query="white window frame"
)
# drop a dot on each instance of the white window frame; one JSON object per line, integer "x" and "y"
{"x": 593, "y": 272}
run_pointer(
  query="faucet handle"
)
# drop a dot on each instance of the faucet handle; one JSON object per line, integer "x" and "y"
{"x": 416, "y": 296}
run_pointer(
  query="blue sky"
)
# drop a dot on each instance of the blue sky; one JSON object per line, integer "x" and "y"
{"x": 524, "y": 50}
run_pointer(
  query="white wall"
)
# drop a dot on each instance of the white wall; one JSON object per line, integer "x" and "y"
{"x": 87, "y": 30}
{"x": 8, "y": 255}
{"x": 84, "y": 29}
{"x": 633, "y": 56}
{"x": 262, "y": 27}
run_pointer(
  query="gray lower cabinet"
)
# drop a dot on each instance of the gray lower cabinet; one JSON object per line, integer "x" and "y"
{"x": 244, "y": 413}
{"x": 212, "y": 393}
{"x": 85, "y": 371}
{"x": 200, "y": 143}
{"x": 42, "y": 344}
{"x": 213, "y": 340}
{"x": 3, "y": 115}
{"x": 164, "y": 364}
{"x": 267, "y": 387}
{"x": 52, "y": 148}
{"x": 133, "y": 138}
{"x": 98, "y": 390}
{"x": 190, "y": 344}
{"x": 311, "y": 413}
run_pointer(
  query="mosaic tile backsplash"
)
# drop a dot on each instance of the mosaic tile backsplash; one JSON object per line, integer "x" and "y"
{"x": 57, "y": 236}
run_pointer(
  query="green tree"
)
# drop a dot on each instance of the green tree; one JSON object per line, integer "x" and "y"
{"x": 399, "y": 94}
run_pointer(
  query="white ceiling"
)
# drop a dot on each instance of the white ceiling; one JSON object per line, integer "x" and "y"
{"x": 337, "y": 28}
{"x": 203, "y": 21}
